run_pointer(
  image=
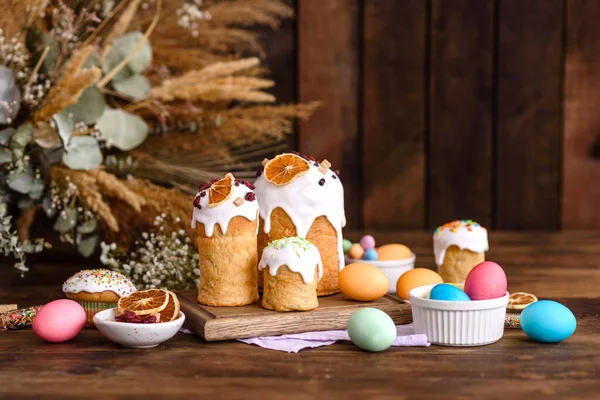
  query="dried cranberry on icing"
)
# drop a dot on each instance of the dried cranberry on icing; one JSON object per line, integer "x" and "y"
{"x": 322, "y": 181}
{"x": 204, "y": 186}
{"x": 250, "y": 196}
{"x": 213, "y": 180}
{"x": 311, "y": 158}
{"x": 296, "y": 153}
{"x": 249, "y": 185}
{"x": 197, "y": 201}
{"x": 337, "y": 172}
{"x": 260, "y": 171}
{"x": 237, "y": 182}
{"x": 202, "y": 194}
{"x": 334, "y": 176}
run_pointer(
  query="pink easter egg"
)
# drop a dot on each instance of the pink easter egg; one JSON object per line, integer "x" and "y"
{"x": 367, "y": 242}
{"x": 486, "y": 280}
{"x": 59, "y": 321}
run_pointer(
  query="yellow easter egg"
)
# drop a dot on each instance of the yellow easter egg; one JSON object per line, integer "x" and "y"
{"x": 415, "y": 278}
{"x": 363, "y": 282}
{"x": 393, "y": 251}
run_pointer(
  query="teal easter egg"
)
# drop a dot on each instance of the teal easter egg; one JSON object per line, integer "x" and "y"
{"x": 448, "y": 292}
{"x": 371, "y": 329}
{"x": 548, "y": 321}
{"x": 346, "y": 244}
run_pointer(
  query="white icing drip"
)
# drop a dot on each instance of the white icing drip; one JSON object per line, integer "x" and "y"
{"x": 475, "y": 240}
{"x": 302, "y": 261}
{"x": 223, "y": 213}
{"x": 304, "y": 200}
{"x": 97, "y": 281}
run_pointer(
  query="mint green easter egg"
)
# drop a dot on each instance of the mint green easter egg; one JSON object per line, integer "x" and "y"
{"x": 346, "y": 244}
{"x": 371, "y": 329}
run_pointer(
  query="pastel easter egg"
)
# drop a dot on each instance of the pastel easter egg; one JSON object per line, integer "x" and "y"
{"x": 393, "y": 251}
{"x": 367, "y": 242}
{"x": 356, "y": 251}
{"x": 548, "y": 321}
{"x": 59, "y": 321}
{"x": 414, "y": 278}
{"x": 363, "y": 282}
{"x": 447, "y": 292}
{"x": 370, "y": 255}
{"x": 371, "y": 329}
{"x": 486, "y": 280}
{"x": 346, "y": 244}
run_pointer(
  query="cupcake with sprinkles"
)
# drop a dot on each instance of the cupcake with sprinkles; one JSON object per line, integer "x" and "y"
{"x": 97, "y": 290}
{"x": 458, "y": 246}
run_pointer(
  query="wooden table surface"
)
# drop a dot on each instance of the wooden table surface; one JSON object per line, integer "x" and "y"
{"x": 559, "y": 266}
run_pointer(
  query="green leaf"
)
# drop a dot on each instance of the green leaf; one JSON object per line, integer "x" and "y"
{"x": 66, "y": 220}
{"x": 5, "y": 135}
{"x": 64, "y": 125}
{"x": 126, "y": 44}
{"x": 5, "y": 156}
{"x": 89, "y": 107}
{"x": 36, "y": 41}
{"x": 88, "y": 226}
{"x": 86, "y": 247}
{"x": 48, "y": 207}
{"x": 136, "y": 86}
{"x": 125, "y": 131}
{"x": 21, "y": 182}
{"x": 10, "y": 96}
{"x": 111, "y": 60}
{"x": 24, "y": 202}
{"x": 37, "y": 189}
{"x": 21, "y": 137}
{"x": 83, "y": 152}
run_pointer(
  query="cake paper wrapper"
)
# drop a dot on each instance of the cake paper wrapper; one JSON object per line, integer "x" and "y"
{"x": 92, "y": 308}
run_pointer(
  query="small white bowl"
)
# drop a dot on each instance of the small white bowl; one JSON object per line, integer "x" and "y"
{"x": 136, "y": 336}
{"x": 457, "y": 323}
{"x": 393, "y": 269}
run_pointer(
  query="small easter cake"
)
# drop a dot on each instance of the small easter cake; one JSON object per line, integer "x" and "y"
{"x": 97, "y": 290}
{"x": 458, "y": 246}
{"x": 292, "y": 268}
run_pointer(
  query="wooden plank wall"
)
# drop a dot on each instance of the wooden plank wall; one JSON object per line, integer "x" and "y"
{"x": 442, "y": 109}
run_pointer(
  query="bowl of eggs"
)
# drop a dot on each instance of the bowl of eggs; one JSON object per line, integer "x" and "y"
{"x": 469, "y": 314}
{"x": 391, "y": 259}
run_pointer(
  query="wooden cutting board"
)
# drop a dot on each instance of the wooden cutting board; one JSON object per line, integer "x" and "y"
{"x": 225, "y": 323}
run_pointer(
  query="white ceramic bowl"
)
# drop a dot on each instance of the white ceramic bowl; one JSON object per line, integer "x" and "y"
{"x": 393, "y": 269}
{"x": 137, "y": 336}
{"x": 457, "y": 323}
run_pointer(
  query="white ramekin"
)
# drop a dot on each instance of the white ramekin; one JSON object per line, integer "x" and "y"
{"x": 393, "y": 269}
{"x": 457, "y": 323}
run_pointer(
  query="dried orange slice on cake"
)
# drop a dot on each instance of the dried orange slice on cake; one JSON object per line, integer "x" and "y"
{"x": 220, "y": 191}
{"x": 520, "y": 300}
{"x": 171, "y": 311}
{"x": 284, "y": 168}
{"x": 145, "y": 302}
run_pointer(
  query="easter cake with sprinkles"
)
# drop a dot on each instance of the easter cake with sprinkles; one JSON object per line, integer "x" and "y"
{"x": 458, "y": 246}
{"x": 97, "y": 290}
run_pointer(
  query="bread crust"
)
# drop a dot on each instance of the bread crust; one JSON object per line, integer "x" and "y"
{"x": 228, "y": 264}
{"x": 107, "y": 296}
{"x": 286, "y": 291}
{"x": 321, "y": 233}
{"x": 458, "y": 263}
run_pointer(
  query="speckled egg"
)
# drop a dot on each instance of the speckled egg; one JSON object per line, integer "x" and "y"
{"x": 371, "y": 329}
{"x": 367, "y": 242}
{"x": 447, "y": 292}
{"x": 59, "y": 321}
{"x": 415, "y": 278}
{"x": 548, "y": 321}
{"x": 356, "y": 251}
{"x": 393, "y": 251}
{"x": 486, "y": 280}
{"x": 363, "y": 282}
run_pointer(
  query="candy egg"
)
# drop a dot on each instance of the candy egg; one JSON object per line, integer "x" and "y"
{"x": 415, "y": 278}
{"x": 346, "y": 244}
{"x": 356, "y": 251}
{"x": 393, "y": 251}
{"x": 370, "y": 255}
{"x": 367, "y": 242}
{"x": 371, "y": 329}
{"x": 447, "y": 292}
{"x": 363, "y": 282}
{"x": 486, "y": 280}
{"x": 548, "y": 321}
{"x": 59, "y": 321}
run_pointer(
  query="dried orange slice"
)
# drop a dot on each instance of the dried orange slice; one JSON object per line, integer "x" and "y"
{"x": 220, "y": 191}
{"x": 144, "y": 302}
{"x": 520, "y": 300}
{"x": 284, "y": 168}
{"x": 171, "y": 311}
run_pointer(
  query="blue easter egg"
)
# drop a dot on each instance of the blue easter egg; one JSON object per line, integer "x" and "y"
{"x": 370, "y": 255}
{"x": 548, "y": 321}
{"x": 371, "y": 329}
{"x": 447, "y": 292}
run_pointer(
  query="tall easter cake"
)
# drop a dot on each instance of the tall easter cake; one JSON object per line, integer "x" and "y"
{"x": 299, "y": 196}
{"x": 291, "y": 269}
{"x": 225, "y": 219}
{"x": 458, "y": 246}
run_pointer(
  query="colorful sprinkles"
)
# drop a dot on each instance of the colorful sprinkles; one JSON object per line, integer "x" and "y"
{"x": 454, "y": 226}
{"x": 18, "y": 319}
{"x": 512, "y": 321}
{"x": 104, "y": 279}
